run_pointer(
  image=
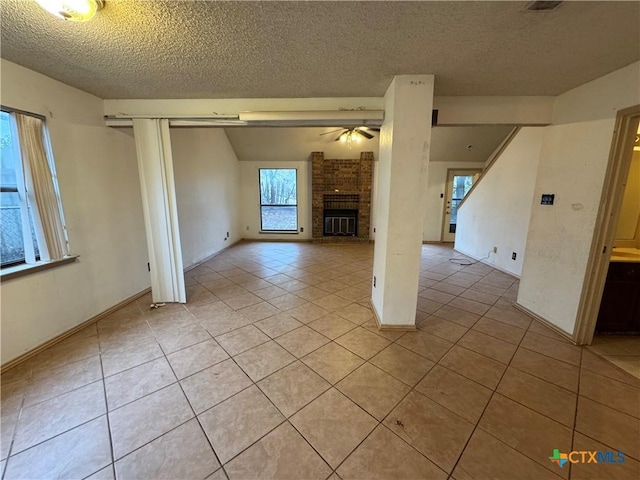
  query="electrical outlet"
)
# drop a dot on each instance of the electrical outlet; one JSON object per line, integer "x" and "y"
{"x": 495, "y": 249}
{"x": 513, "y": 256}
{"x": 227, "y": 234}
{"x": 374, "y": 230}
{"x": 374, "y": 281}
{"x": 301, "y": 229}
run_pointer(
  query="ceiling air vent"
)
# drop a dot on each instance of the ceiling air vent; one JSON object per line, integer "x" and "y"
{"x": 543, "y": 6}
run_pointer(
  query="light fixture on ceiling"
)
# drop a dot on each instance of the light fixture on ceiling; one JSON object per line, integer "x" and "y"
{"x": 351, "y": 135}
{"x": 72, "y": 10}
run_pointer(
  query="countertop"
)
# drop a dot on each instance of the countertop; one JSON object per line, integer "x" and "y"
{"x": 631, "y": 255}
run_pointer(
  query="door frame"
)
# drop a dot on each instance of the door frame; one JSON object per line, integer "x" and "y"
{"x": 448, "y": 193}
{"x": 616, "y": 174}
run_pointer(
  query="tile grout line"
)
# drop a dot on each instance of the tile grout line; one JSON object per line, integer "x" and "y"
{"x": 286, "y": 419}
{"x": 57, "y": 435}
{"x": 391, "y": 342}
{"x": 106, "y": 408}
{"x": 15, "y": 428}
{"x": 164, "y": 356}
{"x": 381, "y": 422}
{"x": 575, "y": 412}
{"x": 192, "y": 410}
{"x": 411, "y": 389}
{"x": 508, "y": 366}
{"x": 476, "y": 426}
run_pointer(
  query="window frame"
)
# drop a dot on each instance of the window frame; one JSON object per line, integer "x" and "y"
{"x": 19, "y": 188}
{"x": 261, "y": 205}
{"x": 17, "y": 263}
{"x": 7, "y": 189}
{"x": 17, "y": 269}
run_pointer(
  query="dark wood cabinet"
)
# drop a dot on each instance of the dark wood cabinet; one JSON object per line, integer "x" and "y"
{"x": 620, "y": 306}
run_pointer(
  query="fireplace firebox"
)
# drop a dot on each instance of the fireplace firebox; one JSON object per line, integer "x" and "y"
{"x": 340, "y": 223}
{"x": 340, "y": 215}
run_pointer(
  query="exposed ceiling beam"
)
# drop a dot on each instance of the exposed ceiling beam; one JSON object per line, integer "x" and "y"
{"x": 308, "y": 112}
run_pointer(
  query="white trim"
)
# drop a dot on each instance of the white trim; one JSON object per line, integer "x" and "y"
{"x": 27, "y": 240}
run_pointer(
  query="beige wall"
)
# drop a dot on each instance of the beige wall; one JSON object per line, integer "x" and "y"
{"x": 497, "y": 211}
{"x": 207, "y": 175}
{"x": 98, "y": 178}
{"x": 573, "y": 161}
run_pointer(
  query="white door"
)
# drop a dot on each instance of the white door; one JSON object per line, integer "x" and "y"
{"x": 459, "y": 183}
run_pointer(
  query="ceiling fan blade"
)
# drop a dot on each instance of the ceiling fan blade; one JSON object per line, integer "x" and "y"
{"x": 332, "y": 131}
{"x": 363, "y": 133}
{"x": 370, "y": 129}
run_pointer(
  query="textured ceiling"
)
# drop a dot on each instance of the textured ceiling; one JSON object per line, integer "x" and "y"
{"x": 210, "y": 49}
{"x": 448, "y": 144}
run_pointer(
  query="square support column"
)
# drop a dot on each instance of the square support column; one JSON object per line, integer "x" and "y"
{"x": 405, "y": 140}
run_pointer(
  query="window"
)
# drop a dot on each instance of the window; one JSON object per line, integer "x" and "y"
{"x": 461, "y": 186}
{"x": 278, "y": 200}
{"x": 12, "y": 204}
{"x": 31, "y": 225}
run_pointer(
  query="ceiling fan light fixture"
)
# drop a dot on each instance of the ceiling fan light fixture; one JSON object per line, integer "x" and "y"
{"x": 72, "y": 10}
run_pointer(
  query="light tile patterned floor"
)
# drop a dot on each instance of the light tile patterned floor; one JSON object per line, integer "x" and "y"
{"x": 275, "y": 369}
{"x": 623, "y": 351}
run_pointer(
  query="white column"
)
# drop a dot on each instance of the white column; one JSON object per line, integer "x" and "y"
{"x": 402, "y": 185}
{"x": 155, "y": 166}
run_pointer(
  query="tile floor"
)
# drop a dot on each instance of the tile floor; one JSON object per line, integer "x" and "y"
{"x": 275, "y": 369}
{"x": 623, "y": 351}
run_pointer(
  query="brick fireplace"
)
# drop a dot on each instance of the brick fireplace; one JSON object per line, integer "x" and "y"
{"x": 341, "y": 197}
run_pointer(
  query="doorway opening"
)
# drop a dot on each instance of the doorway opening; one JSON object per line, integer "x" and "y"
{"x": 459, "y": 183}
{"x": 610, "y": 302}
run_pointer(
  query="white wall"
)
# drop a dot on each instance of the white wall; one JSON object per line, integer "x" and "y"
{"x": 574, "y": 157}
{"x": 493, "y": 110}
{"x": 207, "y": 175}
{"x": 98, "y": 178}
{"x": 496, "y": 213}
{"x": 291, "y": 144}
{"x": 436, "y": 186}
{"x": 250, "y": 200}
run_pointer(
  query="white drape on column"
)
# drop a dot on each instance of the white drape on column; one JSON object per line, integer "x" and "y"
{"x": 155, "y": 166}
{"x": 43, "y": 199}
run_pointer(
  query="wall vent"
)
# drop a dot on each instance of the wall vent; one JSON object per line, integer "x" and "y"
{"x": 541, "y": 6}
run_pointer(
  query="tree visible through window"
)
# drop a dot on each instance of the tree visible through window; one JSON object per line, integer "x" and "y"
{"x": 278, "y": 199}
